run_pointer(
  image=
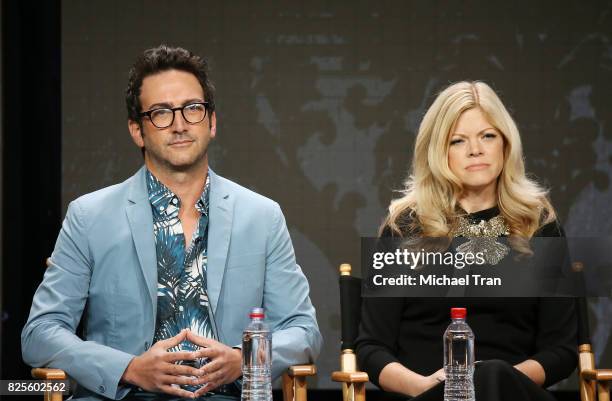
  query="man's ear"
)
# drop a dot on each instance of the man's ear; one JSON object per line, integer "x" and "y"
{"x": 213, "y": 124}
{"x": 136, "y": 133}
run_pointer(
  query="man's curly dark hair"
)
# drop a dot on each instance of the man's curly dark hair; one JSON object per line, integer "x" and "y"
{"x": 164, "y": 58}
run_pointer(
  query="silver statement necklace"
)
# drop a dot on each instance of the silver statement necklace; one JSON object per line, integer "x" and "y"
{"x": 482, "y": 237}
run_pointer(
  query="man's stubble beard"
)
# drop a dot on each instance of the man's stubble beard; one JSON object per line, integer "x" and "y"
{"x": 169, "y": 167}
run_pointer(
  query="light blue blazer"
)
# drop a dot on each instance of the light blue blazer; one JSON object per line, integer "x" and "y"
{"x": 104, "y": 269}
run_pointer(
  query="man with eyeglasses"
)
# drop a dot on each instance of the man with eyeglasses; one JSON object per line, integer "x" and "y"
{"x": 164, "y": 267}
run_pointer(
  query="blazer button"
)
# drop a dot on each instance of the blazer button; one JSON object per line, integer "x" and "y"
{"x": 146, "y": 345}
{"x": 102, "y": 389}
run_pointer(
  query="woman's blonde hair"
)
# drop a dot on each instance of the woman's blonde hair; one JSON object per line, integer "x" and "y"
{"x": 429, "y": 202}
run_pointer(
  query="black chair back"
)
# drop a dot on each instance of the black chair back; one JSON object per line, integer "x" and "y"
{"x": 582, "y": 311}
{"x": 350, "y": 307}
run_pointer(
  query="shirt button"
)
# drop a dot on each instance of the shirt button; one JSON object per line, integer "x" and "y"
{"x": 102, "y": 389}
{"x": 146, "y": 345}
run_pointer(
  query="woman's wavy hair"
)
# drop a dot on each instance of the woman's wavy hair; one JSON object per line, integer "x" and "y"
{"x": 429, "y": 205}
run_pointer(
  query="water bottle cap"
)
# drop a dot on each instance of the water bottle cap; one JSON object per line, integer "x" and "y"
{"x": 458, "y": 313}
{"x": 257, "y": 313}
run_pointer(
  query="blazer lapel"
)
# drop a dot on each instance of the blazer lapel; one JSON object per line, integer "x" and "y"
{"x": 140, "y": 219}
{"x": 219, "y": 232}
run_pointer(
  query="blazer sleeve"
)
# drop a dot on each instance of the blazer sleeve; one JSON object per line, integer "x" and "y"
{"x": 295, "y": 334}
{"x": 48, "y": 338}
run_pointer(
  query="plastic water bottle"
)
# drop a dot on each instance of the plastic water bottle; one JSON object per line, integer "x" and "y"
{"x": 256, "y": 359}
{"x": 459, "y": 358}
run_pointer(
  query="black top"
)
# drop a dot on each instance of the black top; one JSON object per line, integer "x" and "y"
{"x": 409, "y": 330}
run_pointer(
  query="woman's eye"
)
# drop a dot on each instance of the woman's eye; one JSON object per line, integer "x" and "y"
{"x": 490, "y": 135}
{"x": 456, "y": 141}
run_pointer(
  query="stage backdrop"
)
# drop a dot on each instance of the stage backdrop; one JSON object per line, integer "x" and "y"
{"x": 319, "y": 104}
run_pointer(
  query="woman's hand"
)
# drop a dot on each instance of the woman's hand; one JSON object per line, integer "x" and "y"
{"x": 397, "y": 378}
{"x": 533, "y": 370}
{"x": 431, "y": 380}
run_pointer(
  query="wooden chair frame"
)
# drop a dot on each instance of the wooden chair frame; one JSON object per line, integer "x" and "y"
{"x": 594, "y": 384}
{"x": 353, "y": 381}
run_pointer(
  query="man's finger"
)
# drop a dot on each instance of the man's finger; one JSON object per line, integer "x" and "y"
{"x": 201, "y": 341}
{"x": 201, "y": 391}
{"x": 206, "y": 388}
{"x": 184, "y": 370}
{"x": 173, "y": 341}
{"x": 180, "y": 356}
{"x": 180, "y": 380}
{"x": 208, "y": 352}
{"x": 214, "y": 377}
{"x": 179, "y": 392}
{"x": 200, "y": 380}
{"x": 211, "y": 366}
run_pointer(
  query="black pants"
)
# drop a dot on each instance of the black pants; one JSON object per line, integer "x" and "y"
{"x": 496, "y": 380}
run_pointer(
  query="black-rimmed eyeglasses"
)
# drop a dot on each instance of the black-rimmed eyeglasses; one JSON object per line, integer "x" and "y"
{"x": 193, "y": 113}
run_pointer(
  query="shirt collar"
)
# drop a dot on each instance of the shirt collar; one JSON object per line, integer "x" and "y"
{"x": 202, "y": 203}
{"x": 165, "y": 202}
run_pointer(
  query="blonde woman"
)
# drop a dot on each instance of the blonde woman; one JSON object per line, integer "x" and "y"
{"x": 468, "y": 178}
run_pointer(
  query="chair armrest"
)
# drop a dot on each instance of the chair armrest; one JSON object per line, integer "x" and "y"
{"x": 294, "y": 382}
{"x": 350, "y": 377}
{"x": 302, "y": 370}
{"x": 597, "y": 374}
{"x": 48, "y": 374}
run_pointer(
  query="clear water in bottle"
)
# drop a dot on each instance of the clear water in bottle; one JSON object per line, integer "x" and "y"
{"x": 458, "y": 358}
{"x": 257, "y": 359}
